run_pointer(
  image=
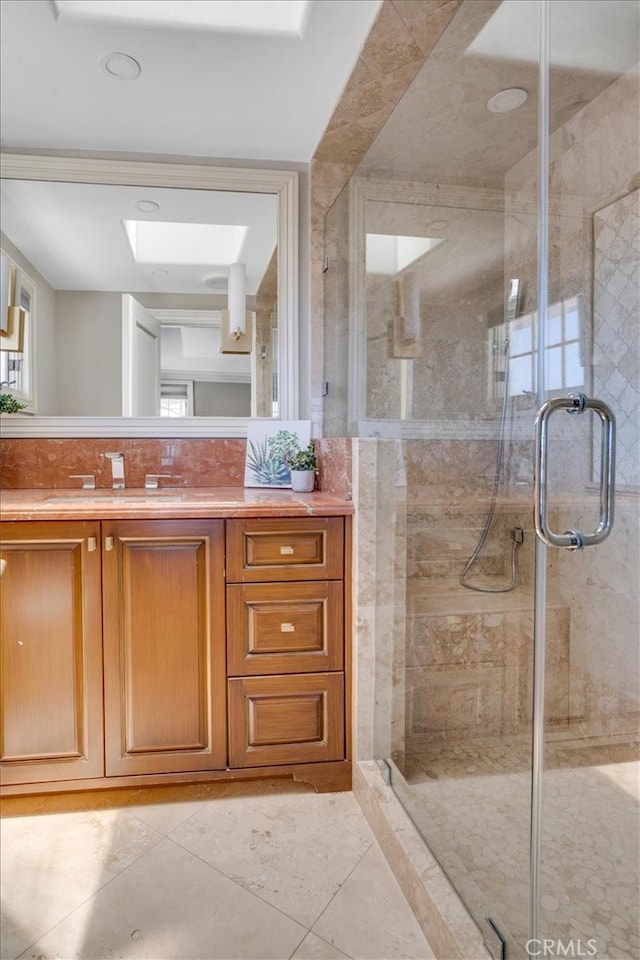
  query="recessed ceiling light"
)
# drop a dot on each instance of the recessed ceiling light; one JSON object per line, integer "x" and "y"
{"x": 147, "y": 206}
{"x": 506, "y": 100}
{"x": 120, "y": 66}
{"x": 438, "y": 225}
{"x": 160, "y": 272}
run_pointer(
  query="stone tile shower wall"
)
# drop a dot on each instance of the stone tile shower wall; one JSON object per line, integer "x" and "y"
{"x": 401, "y": 39}
{"x": 461, "y": 293}
{"x": 468, "y": 654}
{"x": 594, "y": 243}
{"x": 451, "y": 665}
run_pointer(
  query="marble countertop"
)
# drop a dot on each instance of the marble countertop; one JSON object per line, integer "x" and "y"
{"x": 167, "y": 503}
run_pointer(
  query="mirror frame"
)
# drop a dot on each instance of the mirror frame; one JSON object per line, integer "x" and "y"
{"x": 282, "y": 183}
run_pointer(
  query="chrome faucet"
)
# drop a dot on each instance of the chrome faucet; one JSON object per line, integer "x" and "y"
{"x": 117, "y": 469}
{"x": 152, "y": 480}
{"x": 88, "y": 480}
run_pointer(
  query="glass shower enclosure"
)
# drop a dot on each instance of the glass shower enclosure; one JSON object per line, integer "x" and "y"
{"x": 482, "y": 330}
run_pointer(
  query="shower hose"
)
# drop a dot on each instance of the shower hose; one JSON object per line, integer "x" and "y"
{"x": 502, "y": 588}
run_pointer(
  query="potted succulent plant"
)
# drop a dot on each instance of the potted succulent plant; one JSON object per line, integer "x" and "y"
{"x": 302, "y": 465}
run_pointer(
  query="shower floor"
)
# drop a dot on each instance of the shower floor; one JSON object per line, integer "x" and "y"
{"x": 491, "y": 755}
{"x": 471, "y": 803}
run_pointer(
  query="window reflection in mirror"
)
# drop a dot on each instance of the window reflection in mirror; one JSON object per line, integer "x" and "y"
{"x": 78, "y": 243}
{"x": 16, "y": 354}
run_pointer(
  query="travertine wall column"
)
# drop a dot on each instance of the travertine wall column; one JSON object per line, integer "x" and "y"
{"x": 400, "y": 40}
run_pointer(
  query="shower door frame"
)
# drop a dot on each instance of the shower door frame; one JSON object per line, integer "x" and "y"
{"x": 361, "y": 425}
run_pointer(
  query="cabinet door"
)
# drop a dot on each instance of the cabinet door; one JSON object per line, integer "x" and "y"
{"x": 287, "y": 719}
{"x": 165, "y": 685}
{"x": 51, "y": 630}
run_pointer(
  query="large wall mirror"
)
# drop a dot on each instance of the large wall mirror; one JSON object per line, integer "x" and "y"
{"x": 104, "y": 246}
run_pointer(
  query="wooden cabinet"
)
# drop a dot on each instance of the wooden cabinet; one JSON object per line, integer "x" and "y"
{"x": 51, "y": 629}
{"x": 285, "y": 549}
{"x": 277, "y": 628}
{"x": 285, "y": 641}
{"x": 296, "y": 718}
{"x": 127, "y": 657}
{"x": 164, "y": 649}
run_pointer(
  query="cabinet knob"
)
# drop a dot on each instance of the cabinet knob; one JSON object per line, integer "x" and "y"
{"x": 92, "y": 543}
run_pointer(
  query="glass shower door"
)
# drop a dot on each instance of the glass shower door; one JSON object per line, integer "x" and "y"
{"x": 589, "y": 851}
{"x": 463, "y": 292}
{"x": 443, "y": 280}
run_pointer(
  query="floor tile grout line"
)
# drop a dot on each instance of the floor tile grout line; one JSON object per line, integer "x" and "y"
{"x": 370, "y": 846}
{"x": 309, "y": 929}
{"x": 101, "y": 887}
{"x": 226, "y": 876}
{"x": 23, "y": 953}
{"x": 158, "y": 836}
{"x": 347, "y": 956}
{"x": 298, "y": 945}
{"x": 75, "y": 909}
{"x": 373, "y": 844}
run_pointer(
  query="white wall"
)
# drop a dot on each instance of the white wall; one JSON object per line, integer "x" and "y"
{"x": 44, "y": 331}
{"x": 89, "y": 365}
{"x": 221, "y": 399}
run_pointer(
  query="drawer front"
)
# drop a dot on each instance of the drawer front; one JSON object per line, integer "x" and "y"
{"x": 286, "y": 719}
{"x": 284, "y": 628}
{"x": 289, "y": 549}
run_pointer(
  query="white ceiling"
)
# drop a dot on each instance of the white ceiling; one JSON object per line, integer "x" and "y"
{"x": 202, "y": 92}
{"x": 74, "y": 234}
{"x": 441, "y": 131}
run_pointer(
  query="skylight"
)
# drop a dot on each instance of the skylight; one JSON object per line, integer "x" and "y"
{"x": 278, "y": 17}
{"x": 390, "y": 255}
{"x": 203, "y": 244}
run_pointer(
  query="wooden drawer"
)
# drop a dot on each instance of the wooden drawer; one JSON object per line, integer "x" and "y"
{"x": 290, "y": 719}
{"x": 284, "y": 627}
{"x": 285, "y": 549}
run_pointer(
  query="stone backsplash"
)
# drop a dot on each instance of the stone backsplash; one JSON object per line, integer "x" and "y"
{"x": 214, "y": 462}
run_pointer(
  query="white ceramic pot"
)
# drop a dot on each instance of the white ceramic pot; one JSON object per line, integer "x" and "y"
{"x": 303, "y": 481}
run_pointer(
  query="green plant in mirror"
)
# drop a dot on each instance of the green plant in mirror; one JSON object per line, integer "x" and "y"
{"x": 9, "y": 404}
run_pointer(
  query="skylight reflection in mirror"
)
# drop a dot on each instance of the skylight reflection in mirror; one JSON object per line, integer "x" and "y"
{"x": 206, "y": 244}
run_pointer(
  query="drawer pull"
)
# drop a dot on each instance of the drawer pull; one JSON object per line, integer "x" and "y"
{"x": 287, "y": 628}
{"x": 108, "y": 543}
{"x": 92, "y": 543}
{"x": 286, "y": 551}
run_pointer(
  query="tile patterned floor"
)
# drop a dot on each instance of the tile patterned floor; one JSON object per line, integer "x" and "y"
{"x": 223, "y": 872}
{"x": 472, "y": 806}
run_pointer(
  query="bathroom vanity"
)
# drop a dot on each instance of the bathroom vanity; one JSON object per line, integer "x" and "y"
{"x": 193, "y": 635}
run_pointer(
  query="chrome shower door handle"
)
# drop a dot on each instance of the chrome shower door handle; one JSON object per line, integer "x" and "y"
{"x": 574, "y": 539}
